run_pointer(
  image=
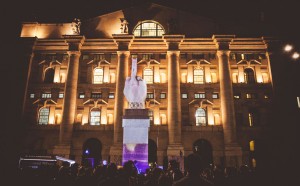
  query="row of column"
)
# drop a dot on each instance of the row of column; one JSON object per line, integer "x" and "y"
{"x": 175, "y": 149}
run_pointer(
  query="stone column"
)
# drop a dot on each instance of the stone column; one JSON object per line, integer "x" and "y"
{"x": 175, "y": 149}
{"x": 123, "y": 43}
{"x": 29, "y": 44}
{"x": 233, "y": 152}
{"x": 70, "y": 96}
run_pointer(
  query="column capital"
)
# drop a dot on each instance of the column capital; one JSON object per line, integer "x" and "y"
{"x": 223, "y": 41}
{"x": 74, "y": 53}
{"x": 223, "y": 52}
{"x": 176, "y": 52}
{"x": 123, "y": 41}
{"x": 75, "y": 42}
{"x": 125, "y": 52}
{"x": 173, "y": 41}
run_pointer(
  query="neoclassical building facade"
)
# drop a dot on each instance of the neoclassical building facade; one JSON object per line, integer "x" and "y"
{"x": 207, "y": 93}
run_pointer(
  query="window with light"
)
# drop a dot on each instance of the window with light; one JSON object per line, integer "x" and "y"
{"x": 198, "y": 76}
{"x": 95, "y": 116}
{"x": 44, "y": 116}
{"x": 249, "y": 76}
{"x": 98, "y": 76}
{"x": 148, "y": 75}
{"x": 148, "y": 29}
{"x": 200, "y": 117}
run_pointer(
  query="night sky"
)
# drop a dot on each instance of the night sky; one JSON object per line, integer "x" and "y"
{"x": 281, "y": 19}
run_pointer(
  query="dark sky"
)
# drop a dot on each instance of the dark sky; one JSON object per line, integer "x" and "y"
{"x": 282, "y": 15}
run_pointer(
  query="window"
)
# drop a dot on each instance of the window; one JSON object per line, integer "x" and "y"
{"x": 150, "y": 114}
{"x": 266, "y": 96}
{"x": 252, "y": 146}
{"x": 61, "y": 95}
{"x": 81, "y": 95}
{"x": 162, "y": 56}
{"x": 44, "y": 116}
{"x": 199, "y": 95}
{"x": 184, "y": 95}
{"x": 150, "y": 96}
{"x": 147, "y": 57}
{"x": 237, "y": 96}
{"x": 249, "y": 76}
{"x": 250, "y": 118}
{"x": 198, "y": 76}
{"x": 163, "y": 95}
{"x": 215, "y": 95}
{"x": 98, "y": 76}
{"x": 85, "y": 57}
{"x": 148, "y": 75}
{"x": 96, "y": 95}
{"x": 49, "y": 75}
{"x": 253, "y": 117}
{"x": 31, "y": 95}
{"x": 95, "y": 116}
{"x": 200, "y": 117}
{"x": 111, "y": 95}
{"x": 148, "y": 29}
{"x": 251, "y": 96}
{"x": 46, "y": 95}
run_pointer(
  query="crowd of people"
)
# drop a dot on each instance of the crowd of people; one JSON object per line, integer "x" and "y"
{"x": 195, "y": 174}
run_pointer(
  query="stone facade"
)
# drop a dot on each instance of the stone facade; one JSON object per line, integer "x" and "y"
{"x": 73, "y": 77}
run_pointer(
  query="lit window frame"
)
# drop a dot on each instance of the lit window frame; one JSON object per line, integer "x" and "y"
{"x": 198, "y": 76}
{"x": 200, "y": 95}
{"x": 184, "y": 96}
{"x": 111, "y": 95}
{"x": 97, "y": 76}
{"x": 44, "y": 118}
{"x": 141, "y": 29}
{"x": 215, "y": 95}
{"x": 163, "y": 95}
{"x": 148, "y": 75}
{"x": 46, "y": 95}
{"x": 95, "y": 119}
{"x": 200, "y": 116}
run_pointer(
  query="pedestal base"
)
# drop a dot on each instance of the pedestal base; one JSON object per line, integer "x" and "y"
{"x": 233, "y": 155}
{"x": 116, "y": 154}
{"x": 176, "y": 152}
{"x": 135, "y": 138}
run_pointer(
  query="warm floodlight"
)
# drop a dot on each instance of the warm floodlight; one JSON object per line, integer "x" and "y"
{"x": 295, "y": 55}
{"x": 288, "y": 48}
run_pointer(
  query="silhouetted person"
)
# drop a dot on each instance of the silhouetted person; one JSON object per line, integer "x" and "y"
{"x": 194, "y": 166}
{"x": 173, "y": 172}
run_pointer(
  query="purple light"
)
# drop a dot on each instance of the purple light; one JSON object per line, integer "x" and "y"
{"x": 137, "y": 153}
{"x": 87, "y": 151}
{"x": 104, "y": 162}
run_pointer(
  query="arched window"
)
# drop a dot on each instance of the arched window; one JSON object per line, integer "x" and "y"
{"x": 98, "y": 76}
{"x": 95, "y": 116}
{"x": 49, "y": 75}
{"x": 253, "y": 117}
{"x": 148, "y": 75}
{"x": 249, "y": 76}
{"x": 148, "y": 29}
{"x": 200, "y": 117}
{"x": 198, "y": 76}
{"x": 44, "y": 116}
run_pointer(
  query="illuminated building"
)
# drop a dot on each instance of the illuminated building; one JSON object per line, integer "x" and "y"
{"x": 207, "y": 92}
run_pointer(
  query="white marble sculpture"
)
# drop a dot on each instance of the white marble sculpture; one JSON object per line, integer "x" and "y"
{"x": 135, "y": 89}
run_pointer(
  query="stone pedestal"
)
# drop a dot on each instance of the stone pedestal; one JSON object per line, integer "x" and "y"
{"x": 176, "y": 152}
{"x": 135, "y": 137}
{"x": 233, "y": 155}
